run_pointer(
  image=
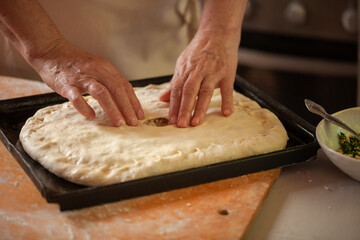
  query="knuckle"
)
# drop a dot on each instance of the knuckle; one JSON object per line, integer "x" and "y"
{"x": 201, "y": 108}
{"x": 190, "y": 87}
{"x": 185, "y": 110}
{"x": 87, "y": 67}
{"x": 193, "y": 66}
{"x": 206, "y": 91}
{"x": 75, "y": 99}
{"x": 98, "y": 60}
{"x": 120, "y": 87}
{"x": 129, "y": 110}
{"x": 227, "y": 91}
{"x": 97, "y": 90}
{"x": 104, "y": 60}
{"x": 227, "y": 99}
{"x": 71, "y": 93}
{"x": 189, "y": 90}
{"x": 176, "y": 92}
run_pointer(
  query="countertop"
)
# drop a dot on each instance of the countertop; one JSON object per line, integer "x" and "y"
{"x": 312, "y": 200}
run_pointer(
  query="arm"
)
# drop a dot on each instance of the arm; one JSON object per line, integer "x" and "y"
{"x": 66, "y": 69}
{"x": 208, "y": 62}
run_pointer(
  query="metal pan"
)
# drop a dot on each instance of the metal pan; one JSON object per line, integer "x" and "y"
{"x": 302, "y": 146}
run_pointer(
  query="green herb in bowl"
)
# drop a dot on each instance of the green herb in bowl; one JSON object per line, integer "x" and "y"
{"x": 349, "y": 145}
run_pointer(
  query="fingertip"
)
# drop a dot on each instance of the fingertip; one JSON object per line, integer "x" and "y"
{"x": 183, "y": 123}
{"x": 134, "y": 122}
{"x": 140, "y": 114}
{"x": 173, "y": 119}
{"x": 119, "y": 123}
{"x": 227, "y": 111}
{"x": 83, "y": 107}
{"x": 195, "y": 122}
{"x": 227, "y": 107}
{"x": 90, "y": 114}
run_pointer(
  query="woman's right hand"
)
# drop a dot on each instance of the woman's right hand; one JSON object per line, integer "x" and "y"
{"x": 72, "y": 72}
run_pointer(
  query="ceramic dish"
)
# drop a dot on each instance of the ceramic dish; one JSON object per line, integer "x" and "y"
{"x": 327, "y": 136}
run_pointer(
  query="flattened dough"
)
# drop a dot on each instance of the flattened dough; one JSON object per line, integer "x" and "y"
{"x": 95, "y": 153}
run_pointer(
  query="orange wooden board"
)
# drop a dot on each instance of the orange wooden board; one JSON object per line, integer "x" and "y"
{"x": 218, "y": 210}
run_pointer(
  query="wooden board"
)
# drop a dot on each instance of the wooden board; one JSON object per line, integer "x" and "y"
{"x": 218, "y": 210}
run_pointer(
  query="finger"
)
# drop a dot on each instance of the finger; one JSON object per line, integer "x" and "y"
{"x": 227, "y": 107}
{"x": 123, "y": 102}
{"x": 205, "y": 94}
{"x": 165, "y": 97}
{"x": 102, "y": 95}
{"x": 75, "y": 97}
{"x": 175, "y": 97}
{"x": 188, "y": 99}
{"x": 122, "y": 93}
{"x": 135, "y": 102}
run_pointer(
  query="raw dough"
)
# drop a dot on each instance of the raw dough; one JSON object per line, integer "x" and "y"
{"x": 96, "y": 153}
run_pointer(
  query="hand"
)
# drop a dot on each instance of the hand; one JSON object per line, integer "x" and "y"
{"x": 72, "y": 72}
{"x": 208, "y": 62}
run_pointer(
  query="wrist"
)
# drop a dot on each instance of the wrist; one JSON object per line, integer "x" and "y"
{"x": 38, "y": 56}
{"x": 38, "y": 48}
{"x": 229, "y": 37}
{"x": 222, "y": 18}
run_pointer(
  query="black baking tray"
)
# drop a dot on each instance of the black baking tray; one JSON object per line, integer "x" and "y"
{"x": 302, "y": 146}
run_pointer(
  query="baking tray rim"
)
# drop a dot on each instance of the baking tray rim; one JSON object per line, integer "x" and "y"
{"x": 312, "y": 145}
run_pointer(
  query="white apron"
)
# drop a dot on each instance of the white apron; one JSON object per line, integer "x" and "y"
{"x": 142, "y": 38}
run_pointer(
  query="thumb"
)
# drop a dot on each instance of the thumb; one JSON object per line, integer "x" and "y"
{"x": 165, "y": 97}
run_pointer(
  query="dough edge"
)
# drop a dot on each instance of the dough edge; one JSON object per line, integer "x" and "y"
{"x": 85, "y": 174}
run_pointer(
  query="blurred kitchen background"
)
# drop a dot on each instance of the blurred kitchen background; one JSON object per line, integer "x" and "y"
{"x": 297, "y": 49}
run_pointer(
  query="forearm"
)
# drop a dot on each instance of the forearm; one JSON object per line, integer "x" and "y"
{"x": 223, "y": 17}
{"x": 68, "y": 70}
{"x": 29, "y": 28}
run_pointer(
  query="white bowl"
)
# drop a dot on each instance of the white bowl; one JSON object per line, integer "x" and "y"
{"x": 327, "y": 136}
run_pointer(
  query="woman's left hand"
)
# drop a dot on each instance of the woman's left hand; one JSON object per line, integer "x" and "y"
{"x": 208, "y": 62}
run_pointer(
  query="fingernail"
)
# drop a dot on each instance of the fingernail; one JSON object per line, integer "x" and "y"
{"x": 120, "y": 122}
{"x": 182, "y": 123}
{"x": 173, "y": 120}
{"x": 140, "y": 115}
{"x": 195, "y": 121}
{"x": 227, "y": 112}
{"x": 134, "y": 122}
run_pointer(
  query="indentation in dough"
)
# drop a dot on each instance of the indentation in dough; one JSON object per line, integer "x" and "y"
{"x": 157, "y": 122}
{"x": 47, "y": 145}
{"x": 196, "y": 150}
{"x": 105, "y": 170}
{"x": 138, "y": 164}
